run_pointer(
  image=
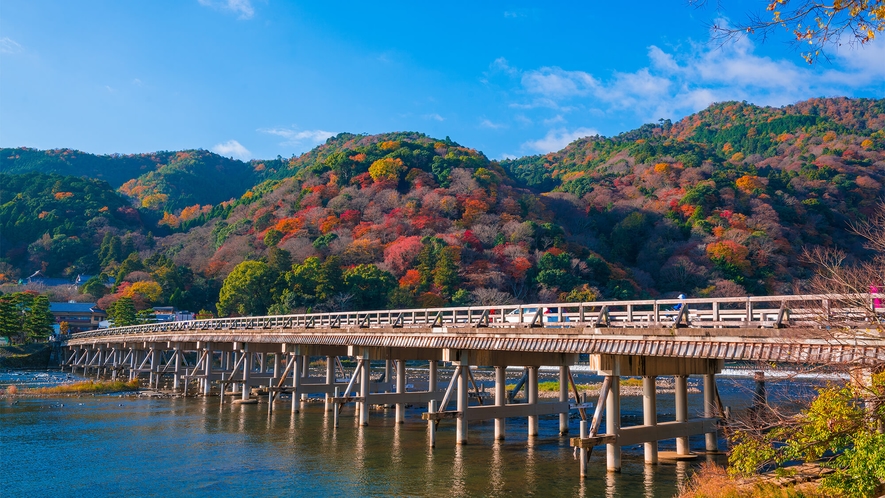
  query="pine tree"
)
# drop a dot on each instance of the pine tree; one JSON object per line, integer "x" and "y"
{"x": 38, "y": 320}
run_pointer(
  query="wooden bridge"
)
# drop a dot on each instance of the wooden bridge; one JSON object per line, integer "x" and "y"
{"x": 616, "y": 338}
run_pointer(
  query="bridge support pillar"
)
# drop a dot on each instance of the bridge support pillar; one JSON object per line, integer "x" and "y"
{"x": 296, "y": 381}
{"x": 154, "y": 363}
{"x": 133, "y": 360}
{"x": 176, "y": 380}
{"x": 305, "y": 372}
{"x": 463, "y": 400}
{"x": 563, "y": 397}
{"x": 613, "y": 424}
{"x": 247, "y": 370}
{"x": 500, "y": 400}
{"x": 682, "y": 447}
{"x": 432, "y": 382}
{"x": 400, "y": 389}
{"x": 650, "y": 416}
{"x": 234, "y": 359}
{"x": 364, "y": 390}
{"x": 207, "y": 369}
{"x": 330, "y": 380}
{"x": 532, "y": 399}
{"x": 711, "y": 439}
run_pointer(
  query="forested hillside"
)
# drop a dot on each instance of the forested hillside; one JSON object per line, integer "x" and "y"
{"x": 720, "y": 203}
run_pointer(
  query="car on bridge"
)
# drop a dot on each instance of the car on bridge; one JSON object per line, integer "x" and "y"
{"x": 551, "y": 315}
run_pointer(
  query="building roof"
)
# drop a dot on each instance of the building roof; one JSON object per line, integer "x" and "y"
{"x": 74, "y": 308}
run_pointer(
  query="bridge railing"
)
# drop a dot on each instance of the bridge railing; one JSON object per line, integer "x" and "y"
{"x": 757, "y": 311}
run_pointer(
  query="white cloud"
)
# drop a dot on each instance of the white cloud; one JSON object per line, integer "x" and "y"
{"x": 9, "y": 46}
{"x": 486, "y": 123}
{"x": 242, "y": 8}
{"x": 137, "y": 82}
{"x": 556, "y": 139}
{"x": 554, "y": 120}
{"x": 677, "y": 82}
{"x": 554, "y": 82}
{"x": 232, "y": 148}
{"x": 434, "y": 116}
{"x": 508, "y": 156}
{"x": 298, "y": 138}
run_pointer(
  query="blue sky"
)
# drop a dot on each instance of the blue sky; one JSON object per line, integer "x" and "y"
{"x": 261, "y": 78}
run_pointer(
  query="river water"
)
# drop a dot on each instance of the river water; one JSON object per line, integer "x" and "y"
{"x": 112, "y": 445}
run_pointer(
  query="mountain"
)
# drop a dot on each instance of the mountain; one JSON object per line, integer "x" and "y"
{"x": 160, "y": 181}
{"x": 722, "y": 202}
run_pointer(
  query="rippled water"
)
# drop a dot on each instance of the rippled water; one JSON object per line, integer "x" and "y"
{"x": 136, "y": 446}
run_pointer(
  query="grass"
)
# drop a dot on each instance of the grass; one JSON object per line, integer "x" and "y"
{"x": 553, "y": 385}
{"x": 712, "y": 481}
{"x": 88, "y": 387}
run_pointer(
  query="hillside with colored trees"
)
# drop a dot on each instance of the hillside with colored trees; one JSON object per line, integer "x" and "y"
{"x": 720, "y": 203}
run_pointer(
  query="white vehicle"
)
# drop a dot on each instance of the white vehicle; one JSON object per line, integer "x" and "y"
{"x": 550, "y": 315}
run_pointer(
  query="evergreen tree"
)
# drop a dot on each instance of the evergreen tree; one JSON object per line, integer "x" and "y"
{"x": 38, "y": 320}
{"x": 10, "y": 321}
{"x": 445, "y": 275}
{"x": 123, "y": 312}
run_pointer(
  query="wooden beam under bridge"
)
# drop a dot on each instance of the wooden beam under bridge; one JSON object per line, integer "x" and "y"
{"x": 505, "y": 411}
{"x": 649, "y": 433}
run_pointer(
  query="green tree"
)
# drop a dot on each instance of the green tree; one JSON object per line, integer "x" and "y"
{"x": 94, "y": 287}
{"x": 247, "y": 290}
{"x": 369, "y": 286}
{"x": 10, "y": 318}
{"x": 111, "y": 250}
{"x": 123, "y": 313}
{"x": 445, "y": 275}
{"x": 39, "y": 320}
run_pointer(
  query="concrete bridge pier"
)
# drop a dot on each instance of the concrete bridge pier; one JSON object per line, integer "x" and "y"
{"x": 711, "y": 439}
{"x": 500, "y": 400}
{"x": 296, "y": 381}
{"x": 364, "y": 388}
{"x": 247, "y": 371}
{"x": 330, "y": 380}
{"x": 305, "y": 373}
{"x": 133, "y": 360}
{"x": 176, "y": 379}
{"x": 682, "y": 447}
{"x": 532, "y": 399}
{"x": 154, "y": 374}
{"x": 613, "y": 423}
{"x": 563, "y": 397}
{"x": 650, "y": 415}
{"x": 461, "y": 427}
{"x": 400, "y": 389}
{"x": 208, "y": 370}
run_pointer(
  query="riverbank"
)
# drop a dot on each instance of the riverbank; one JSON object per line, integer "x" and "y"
{"x": 30, "y": 356}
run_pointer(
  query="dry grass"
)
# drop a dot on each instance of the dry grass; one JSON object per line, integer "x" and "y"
{"x": 88, "y": 387}
{"x": 712, "y": 481}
